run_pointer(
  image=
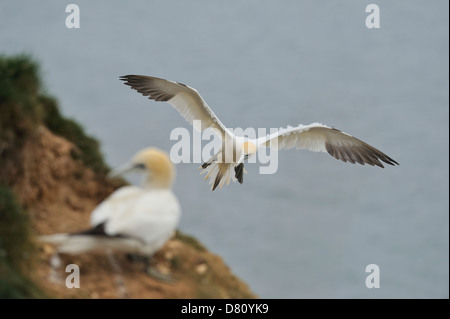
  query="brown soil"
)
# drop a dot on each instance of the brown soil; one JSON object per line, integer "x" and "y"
{"x": 60, "y": 192}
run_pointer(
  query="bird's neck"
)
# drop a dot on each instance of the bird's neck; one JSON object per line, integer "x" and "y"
{"x": 152, "y": 183}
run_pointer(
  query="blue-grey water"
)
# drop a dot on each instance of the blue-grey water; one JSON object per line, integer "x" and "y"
{"x": 310, "y": 230}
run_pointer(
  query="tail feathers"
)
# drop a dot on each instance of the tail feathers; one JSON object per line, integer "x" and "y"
{"x": 77, "y": 244}
{"x": 219, "y": 174}
{"x": 71, "y": 244}
{"x": 56, "y": 239}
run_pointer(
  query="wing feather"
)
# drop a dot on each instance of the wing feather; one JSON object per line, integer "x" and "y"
{"x": 317, "y": 137}
{"x": 186, "y": 100}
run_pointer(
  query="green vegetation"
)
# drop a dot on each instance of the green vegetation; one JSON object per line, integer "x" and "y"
{"x": 16, "y": 249}
{"x": 88, "y": 147}
{"x": 19, "y": 86}
{"x": 24, "y": 107}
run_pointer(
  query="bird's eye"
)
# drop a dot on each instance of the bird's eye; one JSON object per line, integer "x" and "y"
{"x": 139, "y": 166}
{"x": 246, "y": 156}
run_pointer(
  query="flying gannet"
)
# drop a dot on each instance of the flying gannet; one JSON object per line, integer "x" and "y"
{"x": 135, "y": 220}
{"x": 314, "y": 137}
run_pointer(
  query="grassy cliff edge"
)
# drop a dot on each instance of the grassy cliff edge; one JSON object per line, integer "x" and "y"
{"x": 52, "y": 175}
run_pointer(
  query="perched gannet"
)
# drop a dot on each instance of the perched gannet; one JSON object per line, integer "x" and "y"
{"x": 136, "y": 220}
{"x": 314, "y": 137}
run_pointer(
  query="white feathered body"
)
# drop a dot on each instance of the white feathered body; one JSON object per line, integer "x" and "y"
{"x": 136, "y": 220}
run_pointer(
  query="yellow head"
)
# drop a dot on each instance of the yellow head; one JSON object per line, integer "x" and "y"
{"x": 155, "y": 163}
{"x": 248, "y": 148}
{"x": 161, "y": 171}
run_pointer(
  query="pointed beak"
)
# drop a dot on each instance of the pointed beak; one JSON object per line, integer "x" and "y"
{"x": 118, "y": 171}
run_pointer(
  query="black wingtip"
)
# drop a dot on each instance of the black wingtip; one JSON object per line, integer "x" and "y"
{"x": 129, "y": 78}
{"x": 125, "y": 79}
{"x": 386, "y": 159}
{"x": 392, "y": 162}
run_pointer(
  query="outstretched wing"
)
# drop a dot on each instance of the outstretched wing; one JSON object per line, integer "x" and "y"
{"x": 317, "y": 137}
{"x": 186, "y": 100}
